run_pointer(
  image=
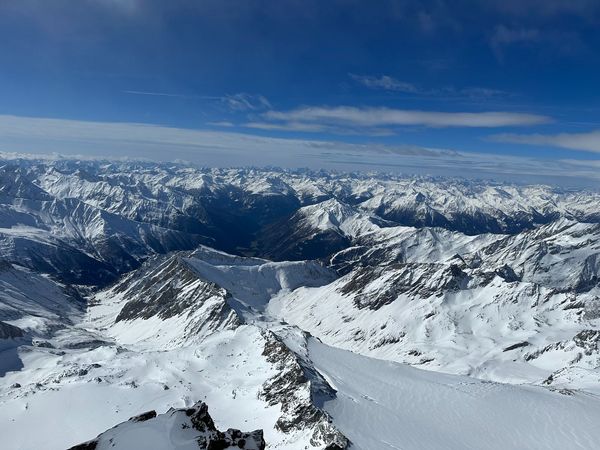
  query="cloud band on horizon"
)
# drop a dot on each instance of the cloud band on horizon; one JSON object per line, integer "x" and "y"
{"x": 586, "y": 142}
{"x": 227, "y": 149}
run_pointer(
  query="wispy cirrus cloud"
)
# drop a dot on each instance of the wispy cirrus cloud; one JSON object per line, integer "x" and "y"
{"x": 288, "y": 126}
{"x": 160, "y": 94}
{"x": 235, "y": 102}
{"x": 586, "y": 142}
{"x": 374, "y": 118}
{"x": 246, "y": 102}
{"x": 391, "y": 84}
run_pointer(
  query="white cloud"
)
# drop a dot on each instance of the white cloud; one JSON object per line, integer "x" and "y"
{"x": 587, "y": 142}
{"x": 482, "y": 93}
{"x": 221, "y": 123}
{"x": 352, "y": 117}
{"x": 317, "y": 128}
{"x": 288, "y": 126}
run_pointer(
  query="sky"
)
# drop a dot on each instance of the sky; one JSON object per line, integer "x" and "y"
{"x": 457, "y": 87}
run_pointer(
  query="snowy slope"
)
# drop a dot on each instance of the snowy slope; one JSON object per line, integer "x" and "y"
{"x": 97, "y": 388}
{"x": 406, "y": 408}
{"x": 521, "y": 309}
{"x": 35, "y": 303}
{"x": 185, "y": 297}
{"x": 252, "y": 281}
{"x": 185, "y": 300}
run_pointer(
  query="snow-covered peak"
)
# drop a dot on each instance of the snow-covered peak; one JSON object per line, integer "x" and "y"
{"x": 337, "y": 216}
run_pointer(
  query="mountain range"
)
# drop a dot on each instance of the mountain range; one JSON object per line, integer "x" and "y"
{"x": 323, "y": 310}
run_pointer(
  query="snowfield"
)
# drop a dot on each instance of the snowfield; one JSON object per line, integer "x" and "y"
{"x": 407, "y": 408}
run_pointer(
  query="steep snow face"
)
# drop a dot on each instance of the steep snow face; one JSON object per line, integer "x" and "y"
{"x": 318, "y": 230}
{"x": 182, "y": 301}
{"x": 334, "y": 215}
{"x": 171, "y": 301}
{"x": 408, "y": 245}
{"x": 252, "y": 281}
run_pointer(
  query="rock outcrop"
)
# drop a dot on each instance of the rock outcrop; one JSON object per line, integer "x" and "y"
{"x": 175, "y": 429}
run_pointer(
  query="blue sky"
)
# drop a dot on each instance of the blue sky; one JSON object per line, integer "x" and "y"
{"x": 508, "y": 79}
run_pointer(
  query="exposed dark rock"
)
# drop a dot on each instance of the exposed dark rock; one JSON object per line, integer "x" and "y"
{"x": 515, "y": 346}
{"x": 388, "y": 340}
{"x": 507, "y": 273}
{"x": 8, "y": 331}
{"x": 90, "y": 445}
{"x": 285, "y": 388}
{"x": 41, "y": 344}
{"x": 85, "y": 343}
{"x": 589, "y": 340}
{"x": 216, "y": 440}
{"x": 196, "y": 418}
{"x": 420, "y": 280}
{"x": 169, "y": 288}
{"x": 144, "y": 416}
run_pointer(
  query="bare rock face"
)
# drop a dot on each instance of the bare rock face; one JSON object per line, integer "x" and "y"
{"x": 295, "y": 388}
{"x": 411, "y": 279}
{"x": 169, "y": 289}
{"x": 165, "y": 290}
{"x": 177, "y": 428}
